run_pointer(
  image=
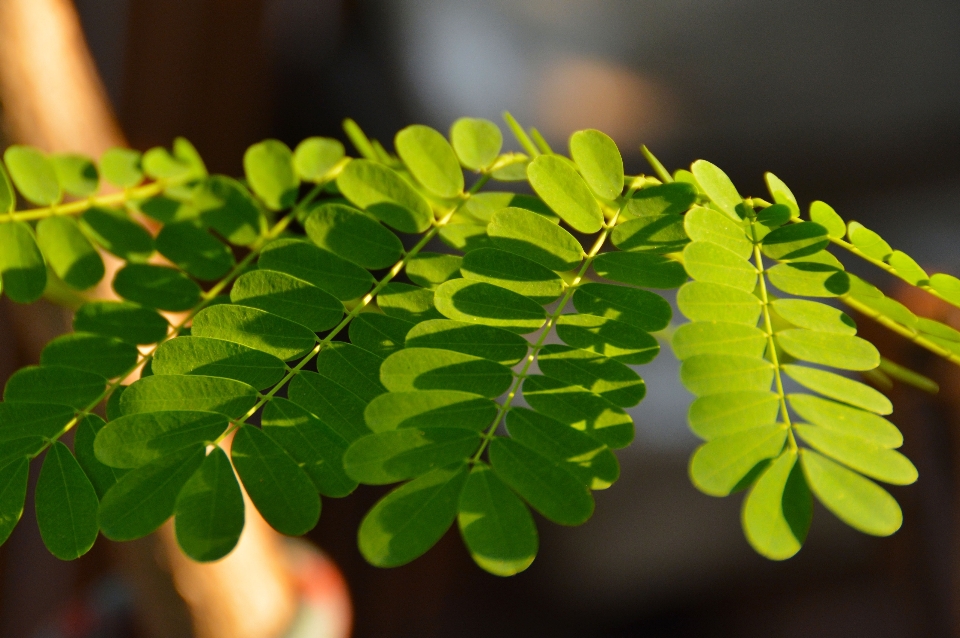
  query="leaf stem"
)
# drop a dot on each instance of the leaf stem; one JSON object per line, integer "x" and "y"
{"x": 80, "y": 206}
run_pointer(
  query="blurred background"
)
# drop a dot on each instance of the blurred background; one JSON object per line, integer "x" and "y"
{"x": 855, "y": 103}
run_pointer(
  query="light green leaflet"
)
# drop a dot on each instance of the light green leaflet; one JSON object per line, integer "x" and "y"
{"x": 268, "y": 166}
{"x": 315, "y": 156}
{"x": 385, "y": 195}
{"x": 429, "y": 408}
{"x": 512, "y": 272}
{"x": 907, "y": 268}
{"x": 608, "y": 337}
{"x": 781, "y": 193}
{"x": 496, "y": 526}
{"x": 559, "y": 185}
{"x": 195, "y": 251}
{"x": 209, "y": 510}
{"x": 408, "y": 521}
{"x": 777, "y": 511}
{"x": 432, "y": 369}
{"x": 809, "y": 279}
{"x": 718, "y": 187}
{"x": 121, "y": 167}
{"x": 580, "y": 409}
{"x": 22, "y": 268}
{"x": 255, "y": 328}
{"x": 530, "y": 235}
{"x": 869, "y": 242}
{"x": 648, "y": 271}
{"x": 397, "y": 455}
{"x": 341, "y": 278}
{"x": 701, "y": 301}
{"x": 353, "y": 236}
{"x": 105, "y": 356}
{"x": 795, "y": 240}
{"x": 705, "y": 224}
{"x": 69, "y": 253}
{"x": 77, "y": 174}
{"x": 406, "y": 302}
{"x": 608, "y": 378}
{"x": 488, "y": 342}
{"x": 117, "y": 234}
{"x": 137, "y": 439}
{"x": 429, "y": 269}
{"x": 8, "y": 198}
{"x": 156, "y": 287}
{"x": 835, "y": 350}
{"x": 846, "y": 420}
{"x": 706, "y": 261}
{"x": 599, "y": 161}
{"x": 32, "y": 384}
{"x": 280, "y": 489}
{"x": 33, "y": 174}
{"x": 465, "y": 236}
{"x": 814, "y": 315}
{"x": 655, "y": 233}
{"x": 430, "y": 159}
{"x": 946, "y": 285}
{"x": 188, "y": 392}
{"x": 719, "y": 338}
{"x": 482, "y": 206}
{"x": 645, "y": 310}
{"x": 823, "y": 214}
{"x": 486, "y": 304}
{"x": 123, "y": 320}
{"x": 218, "y": 358}
{"x": 665, "y": 199}
{"x": 66, "y": 505}
{"x": 549, "y": 487}
{"x": 158, "y": 163}
{"x": 716, "y": 415}
{"x": 476, "y": 141}
{"x": 227, "y": 207}
{"x": 288, "y": 297}
{"x": 867, "y": 458}
{"x": 379, "y": 334}
{"x": 857, "y": 501}
{"x": 13, "y": 492}
{"x": 721, "y": 465}
{"x": 704, "y": 374}
{"x": 840, "y": 388}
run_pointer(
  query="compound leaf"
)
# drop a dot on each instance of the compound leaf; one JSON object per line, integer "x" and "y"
{"x": 409, "y": 303}
{"x": 814, "y": 315}
{"x": 704, "y": 374}
{"x": 379, "y": 334}
{"x": 102, "y": 476}
{"x": 663, "y": 199}
{"x": 608, "y": 337}
{"x": 651, "y": 233}
{"x": 156, "y": 287}
{"x": 512, "y": 272}
{"x": 840, "y": 388}
{"x": 846, "y": 420}
{"x": 639, "y": 269}
{"x": 718, "y": 337}
{"x": 795, "y": 241}
{"x": 195, "y": 251}
{"x": 703, "y": 301}
{"x": 315, "y": 156}
{"x": 709, "y": 262}
{"x": 708, "y": 225}
{"x": 608, "y": 378}
{"x": 486, "y": 304}
{"x": 867, "y": 458}
{"x": 809, "y": 279}
{"x": 118, "y": 234}
{"x": 718, "y": 187}
{"x": 33, "y": 174}
{"x": 135, "y": 440}
{"x": 68, "y": 386}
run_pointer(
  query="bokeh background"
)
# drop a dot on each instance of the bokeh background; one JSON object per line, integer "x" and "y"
{"x": 852, "y": 102}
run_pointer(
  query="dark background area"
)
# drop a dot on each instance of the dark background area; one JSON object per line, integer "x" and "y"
{"x": 855, "y": 103}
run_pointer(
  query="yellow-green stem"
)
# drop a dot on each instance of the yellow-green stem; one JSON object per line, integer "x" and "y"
{"x": 79, "y": 206}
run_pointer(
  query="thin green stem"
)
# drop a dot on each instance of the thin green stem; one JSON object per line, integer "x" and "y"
{"x": 77, "y": 207}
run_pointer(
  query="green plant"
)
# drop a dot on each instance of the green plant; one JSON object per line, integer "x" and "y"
{"x": 291, "y": 327}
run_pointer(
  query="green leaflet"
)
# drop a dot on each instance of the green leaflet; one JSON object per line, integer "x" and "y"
{"x": 476, "y": 141}
{"x": 13, "y": 493}
{"x": 29, "y": 420}
{"x": 718, "y": 187}
{"x": 195, "y": 251}
{"x": 218, "y": 358}
{"x": 288, "y": 297}
{"x": 483, "y": 303}
{"x": 409, "y": 303}
{"x": 135, "y": 440}
{"x": 884, "y": 305}
{"x": 835, "y": 350}
{"x": 665, "y": 199}
{"x": 823, "y": 214}
{"x": 397, "y": 455}
{"x": 8, "y": 198}
{"x": 608, "y": 378}
{"x": 429, "y": 408}
{"x": 156, "y": 287}
{"x": 773, "y": 217}
{"x": 68, "y": 386}
{"x": 188, "y": 392}
{"x": 639, "y": 308}
{"x": 209, "y": 510}
{"x": 907, "y": 268}
{"x": 719, "y": 338}
{"x": 707, "y": 225}
{"x": 33, "y": 174}
{"x": 549, "y": 487}
{"x": 558, "y": 184}
{"x": 721, "y": 465}
{"x": 582, "y": 455}
{"x": 530, "y": 235}
{"x": 167, "y": 210}
{"x": 105, "y": 356}
{"x": 385, "y": 195}
{"x": 867, "y": 458}
{"x": 117, "y": 234}
{"x": 814, "y": 315}
{"x": 280, "y": 489}
{"x": 465, "y": 236}
{"x": 121, "y": 167}
{"x": 429, "y": 270}
{"x": 66, "y": 505}
{"x": 580, "y": 409}
{"x": 599, "y": 161}
{"x": 226, "y": 206}
{"x": 315, "y": 156}
{"x": 649, "y": 271}
{"x": 77, "y": 174}
{"x": 113, "y": 402}
{"x": 702, "y": 301}
{"x": 408, "y": 521}
{"x": 777, "y": 511}
{"x": 22, "y": 268}
{"x": 608, "y": 337}
{"x": 268, "y": 166}
{"x": 709, "y": 262}
{"x": 482, "y": 206}
{"x": 781, "y": 193}
{"x": 946, "y": 285}
{"x": 126, "y": 321}
{"x": 255, "y": 328}
{"x": 303, "y": 260}
{"x": 858, "y": 502}
{"x": 495, "y": 524}
{"x": 144, "y": 498}
{"x": 433, "y": 369}
{"x": 158, "y": 163}
{"x": 809, "y": 279}
{"x": 315, "y": 446}
{"x": 840, "y": 388}
{"x": 704, "y": 374}
{"x": 488, "y": 342}
{"x": 846, "y": 420}
{"x": 354, "y": 236}
{"x": 512, "y": 272}
{"x": 869, "y": 243}
{"x": 937, "y": 329}
{"x": 795, "y": 241}
{"x": 69, "y": 253}
{"x": 716, "y": 415}
{"x": 431, "y": 160}
{"x": 653, "y": 233}
{"x": 102, "y": 476}
{"x": 379, "y": 334}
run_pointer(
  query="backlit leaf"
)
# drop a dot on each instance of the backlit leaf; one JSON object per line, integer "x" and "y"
{"x": 22, "y": 268}
{"x": 13, "y": 493}
{"x": 68, "y": 386}
{"x": 430, "y": 159}
{"x": 840, "y": 388}
{"x": 532, "y": 236}
{"x": 719, "y": 338}
{"x": 795, "y": 240}
{"x": 432, "y": 269}
{"x": 353, "y": 236}
{"x": 384, "y": 194}
{"x": 814, "y": 315}
{"x": 709, "y": 262}
{"x": 645, "y": 310}
{"x": 486, "y": 304}
{"x": 432, "y": 369}
{"x": 77, "y": 174}
{"x": 117, "y": 234}
{"x": 654, "y": 233}
{"x": 379, "y": 334}
{"x": 33, "y": 174}
{"x": 649, "y": 271}
{"x": 580, "y": 409}
{"x": 608, "y": 378}
{"x": 781, "y": 193}
{"x": 717, "y": 186}
{"x": 288, "y": 297}
{"x": 156, "y": 287}
{"x": 704, "y": 374}
{"x": 102, "y": 476}
{"x": 69, "y": 253}
{"x": 809, "y": 279}
{"x": 488, "y": 342}
{"x": 719, "y": 466}
{"x": 194, "y": 251}
{"x": 323, "y": 269}
{"x": 846, "y": 420}
{"x": 664, "y": 199}
{"x": 121, "y": 167}
{"x": 705, "y": 224}
{"x": 869, "y": 243}
{"x": 562, "y": 188}
{"x": 127, "y": 321}
{"x": 867, "y": 458}
{"x": 599, "y": 161}
{"x": 397, "y": 455}
{"x": 226, "y": 206}
{"x": 777, "y": 511}
{"x": 702, "y": 301}
{"x": 430, "y": 408}
{"x": 476, "y": 141}
{"x": 609, "y": 337}
{"x": 106, "y": 356}
{"x": 218, "y": 358}
{"x": 188, "y": 392}
{"x": 716, "y": 415}
{"x": 255, "y": 328}
{"x": 830, "y": 349}
{"x": 406, "y": 302}
{"x": 512, "y": 272}
{"x": 137, "y": 439}
{"x": 315, "y": 156}
{"x": 268, "y": 166}
{"x": 907, "y": 268}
